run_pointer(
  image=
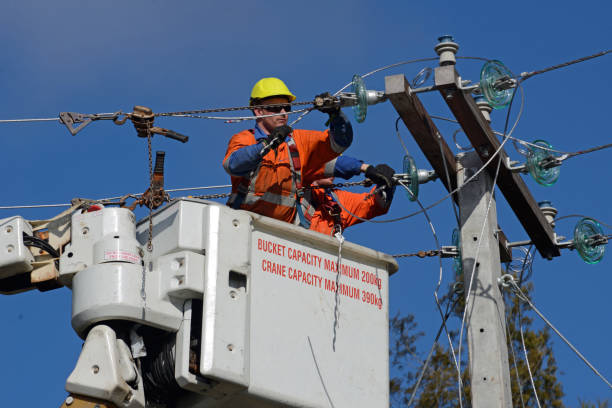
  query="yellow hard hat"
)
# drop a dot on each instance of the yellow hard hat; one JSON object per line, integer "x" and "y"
{"x": 268, "y": 87}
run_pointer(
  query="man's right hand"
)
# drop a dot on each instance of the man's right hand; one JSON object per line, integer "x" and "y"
{"x": 275, "y": 138}
{"x": 326, "y": 103}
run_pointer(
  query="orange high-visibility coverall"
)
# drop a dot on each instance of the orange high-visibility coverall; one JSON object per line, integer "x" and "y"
{"x": 324, "y": 222}
{"x": 272, "y": 190}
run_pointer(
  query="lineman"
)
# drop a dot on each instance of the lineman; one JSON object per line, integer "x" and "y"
{"x": 325, "y": 209}
{"x": 270, "y": 163}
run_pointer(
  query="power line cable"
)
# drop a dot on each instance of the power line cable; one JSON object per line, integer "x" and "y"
{"x": 533, "y": 386}
{"x": 386, "y": 67}
{"x": 101, "y": 200}
{"x": 435, "y": 236}
{"x": 583, "y": 216}
{"x": 455, "y": 191}
{"x": 493, "y": 186}
{"x": 509, "y": 282}
{"x": 29, "y": 120}
{"x": 447, "y": 313}
{"x": 526, "y": 75}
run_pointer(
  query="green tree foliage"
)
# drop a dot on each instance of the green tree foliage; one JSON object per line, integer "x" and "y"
{"x": 439, "y": 386}
{"x": 598, "y": 404}
{"x": 539, "y": 354}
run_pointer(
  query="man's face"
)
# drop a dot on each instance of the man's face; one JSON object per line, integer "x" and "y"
{"x": 269, "y": 123}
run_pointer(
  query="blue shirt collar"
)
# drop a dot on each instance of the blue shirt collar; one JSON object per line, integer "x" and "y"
{"x": 258, "y": 133}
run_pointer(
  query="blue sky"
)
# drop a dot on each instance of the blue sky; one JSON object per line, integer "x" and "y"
{"x": 173, "y": 56}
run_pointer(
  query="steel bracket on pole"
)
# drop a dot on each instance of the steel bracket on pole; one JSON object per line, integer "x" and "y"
{"x": 478, "y": 131}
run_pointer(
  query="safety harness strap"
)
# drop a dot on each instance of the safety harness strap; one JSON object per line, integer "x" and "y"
{"x": 296, "y": 171}
{"x": 247, "y": 183}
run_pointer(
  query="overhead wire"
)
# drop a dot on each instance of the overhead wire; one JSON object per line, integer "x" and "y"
{"x": 582, "y": 216}
{"x": 526, "y": 262}
{"x": 102, "y": 200}
{"x": 513, "y": 138}
{"x": 522, "y": 296}
{"x": 533, "y": 386}
{"x": 526, "y": 75}
{"x": 29, "y": 120}
{"x": 456, "y": 190}
{"x": 484, "y": 223}
{"x": 386, "y": 67}
{"x": 439, "y": 249}
{"x": 437, "y": 241}
{"x": 447, "y": 313}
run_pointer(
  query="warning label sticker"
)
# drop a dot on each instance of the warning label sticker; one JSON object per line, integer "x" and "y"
{"x": 121, "y": 256}
{"x": 316, "y": 269}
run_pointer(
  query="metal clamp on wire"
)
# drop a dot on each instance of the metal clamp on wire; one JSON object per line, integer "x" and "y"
{"x": 326, "y": 101}
{"x": 506, "y": 281}
{"x": 423, "y": 176}
{"x": 70, "y": 119}
{"x": 143, "y": 117}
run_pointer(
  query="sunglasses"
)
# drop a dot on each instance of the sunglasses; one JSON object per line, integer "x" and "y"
{"x": 278, "y": 109}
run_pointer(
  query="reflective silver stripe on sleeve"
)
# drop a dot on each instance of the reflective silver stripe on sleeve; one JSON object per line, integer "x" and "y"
{"x": 226, "y": 165}
{"x": 306, "y": 203}
{"x": 277, "y": 199}
{"x": 335, "y": 146}
{"x": 330, "y": 166}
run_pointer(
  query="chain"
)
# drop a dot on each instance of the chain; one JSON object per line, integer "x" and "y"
{"x": 365, "y": 182}
{"x": 211, "y": 196}
{"x": 238, "y": 108}
{"x": 420, "y": 254}
{"x": 150, "y": 202}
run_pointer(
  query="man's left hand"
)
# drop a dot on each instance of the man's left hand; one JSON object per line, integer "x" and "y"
{"x": 382, "y": 175}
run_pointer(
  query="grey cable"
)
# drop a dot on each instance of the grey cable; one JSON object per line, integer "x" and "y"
{"x": 522, "y": 296}
{"x": 13, "y": 207}
{"x": 234, "y": 119}
{"x": 493, "y": 186}
{"x": 397, "y": 64}
{"x": 455, "y": 191}
{"x": 527, "y": 75}
{"x": 29, "y": 120}
{"x": 435, "y": 235}
{"x": 527, "y": 260}
{"x": 535, "y": 391}
{"x": 583, "y": 216}
{"x": 521, "y": 141}
{"x": 469, "y": 288}
{"x": 442, "y": 155}
{"x": 319, "y": 372}
{"x": 447, "y": 314}
{"x": 518, "y": 377}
